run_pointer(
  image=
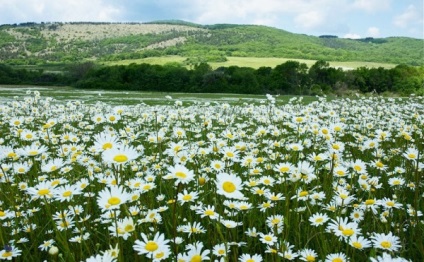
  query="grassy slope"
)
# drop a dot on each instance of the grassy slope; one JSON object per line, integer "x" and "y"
{"x": 253, "y": 62}
{"x": 79, "y": 42}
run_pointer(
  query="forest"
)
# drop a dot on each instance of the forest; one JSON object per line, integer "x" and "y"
{"x": 289, "y": 78}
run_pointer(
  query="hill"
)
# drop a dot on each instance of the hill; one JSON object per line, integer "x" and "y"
{"x": 33, "y": 44}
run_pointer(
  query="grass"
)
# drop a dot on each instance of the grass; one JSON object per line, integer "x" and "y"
{"x": 326, "y": 180}
{"x": 253, "y": 62}
{"x": 9, "y": 92}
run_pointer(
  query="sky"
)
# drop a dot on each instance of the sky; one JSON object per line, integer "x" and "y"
{"x": 343, "y": 18}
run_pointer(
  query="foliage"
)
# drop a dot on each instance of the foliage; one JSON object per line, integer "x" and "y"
{"x": 42, "y": 42}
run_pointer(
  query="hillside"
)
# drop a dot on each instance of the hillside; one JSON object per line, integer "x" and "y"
{"x": 32, "y": 43}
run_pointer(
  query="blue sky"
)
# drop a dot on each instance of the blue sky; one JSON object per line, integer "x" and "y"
{"x": 344, "y": 18}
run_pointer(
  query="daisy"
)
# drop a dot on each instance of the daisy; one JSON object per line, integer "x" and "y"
{"x": 250, "y": 258}
{"x": 269, "y": 239}
{"x": 181, "y": 174}
{"x": 186, "y": 197}
{"x": 336, "y": 257}
{"x": 229, "y": 186}
{"x": 42, "y": 190}
{"x": 411, "y": 154}
{"x": 120, "y": 155}
{"x": 152, "y": 247}
{"x": 195, "y": 253}
{"x": 106, "y": 257}
{"x": 318, "y": 219}
{"x": 112, "y": 197}
{"x": 359, "y": 242}
{"x": 52, "y": 165}
{"x": 217, "y": 165}
{"x": 220, "y": 250}
{"x": 66, "y": 192}
{"x": 388, "y": 242}
{"x": 308, "y": 255}
{"x": 9, "y": 252}
{"x": 105, "y": 141}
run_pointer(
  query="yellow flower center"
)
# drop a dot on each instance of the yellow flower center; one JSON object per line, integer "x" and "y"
{"x": 284, "y": 169}
{"x": 337, "y": 259}
{"x": 379, "y": 164}
{"x": 310, "y": 258}
{"x": 44, "y": 191}
{"x": 67, "y": 193}
{"x": 319, "y": 220}
{"x": 107, "y": 146}
{"x": 187, "y": 197}
{"x": 120, "y": 158}
{"x": 390, "y": 203}
{"x": 386, "y": 244}
{"x": 180, "y": 174}
{"x": 112, "y": 118}
{"x": 196, "y": 258}
{"x": 230, "y": 154}
{"x": 369, "y": 202}
{"x": 113, "y": 201}
{"x": 2, "y": 214}
{"x": 228, "y": 187}
{"x": 412, "y": 156}
{"x": 209, "y": 212}
{"x": 202, "y": 181}
{"x": 159, "y": 255}
{"x": 28, "y": 136}
{"x": 151, "y": 246}
{"x": 129, "y": 228}
{"x": 7, "y": 254}
{"x": 303, "y": 193}
{"x": 348, "y": 232}
{"x": 357, "y": 245}
{"x": 268, "y": 238}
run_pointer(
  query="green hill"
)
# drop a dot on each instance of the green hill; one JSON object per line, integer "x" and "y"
{"x": 34, "y": 44}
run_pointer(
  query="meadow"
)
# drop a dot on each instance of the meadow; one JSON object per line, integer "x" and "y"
{"x": 102, "y": 176}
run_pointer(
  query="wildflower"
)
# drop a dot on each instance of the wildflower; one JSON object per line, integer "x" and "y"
{"x": 106, "y": 257}
{"x": 120, "y": 155}
{"x": 359, "y": 242}
{"x": 181, "y": 174}
{"x": 268, "y": 239}
{"x": 318, "y": 219}
{"x": 411, "y": 154}
{"x": 193, "y": 228}
{"x": 250, "y": 258}
{"x": 229, "y": 186}
{"x": 388, "y": 242}
{"x": 208, "y": 211}
{"x": 195, "y": 253}
{"x": 9, "y": 252}
{"x": 308, "y": 255}
{"x": 151, "y": 248}
{"x": 46, "y": 244}
{"x": 105, "y": 141}
{"x": 112, "y": 197}
{"x": 41, "y": 190}
{"x": 385, "y": 257}
{"x": 185, "y": 197}
{"x": 336, "y": 257}
{"x": 220, "y": 250}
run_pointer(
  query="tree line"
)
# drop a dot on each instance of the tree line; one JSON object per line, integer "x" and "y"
{"x": 291, "y": 77}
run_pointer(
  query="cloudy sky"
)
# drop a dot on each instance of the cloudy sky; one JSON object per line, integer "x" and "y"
{"x": 344, "y": 18}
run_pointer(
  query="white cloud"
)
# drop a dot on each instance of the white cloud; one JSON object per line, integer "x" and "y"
{"x": 410, "y": 16}
{"x": 310, "y": 20}
{"x": 64, "y": 11}
{"x": 372, "y": 5}
{"x": 373, "y": 32}
{"x": 352, "y": 36}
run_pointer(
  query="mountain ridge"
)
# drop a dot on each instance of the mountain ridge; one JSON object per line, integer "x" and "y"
{"x": 37, "y": 43}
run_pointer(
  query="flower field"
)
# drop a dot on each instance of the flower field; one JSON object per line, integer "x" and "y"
{"x": 338, "y": 180}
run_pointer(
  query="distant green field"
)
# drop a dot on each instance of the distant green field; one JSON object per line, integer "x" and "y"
{"x": 123, "y": 98}
{"x": 253, "y": 62}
